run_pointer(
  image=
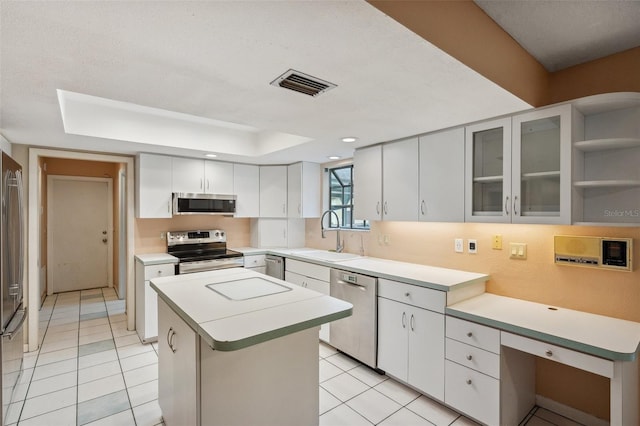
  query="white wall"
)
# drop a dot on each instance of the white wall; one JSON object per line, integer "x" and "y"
{"x": 5, "y": 146}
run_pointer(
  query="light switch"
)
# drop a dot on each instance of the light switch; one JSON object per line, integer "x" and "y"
{"x": 518, "y": 251}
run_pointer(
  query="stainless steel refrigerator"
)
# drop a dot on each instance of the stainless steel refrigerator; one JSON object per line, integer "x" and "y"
{"x": 12, "y": 265}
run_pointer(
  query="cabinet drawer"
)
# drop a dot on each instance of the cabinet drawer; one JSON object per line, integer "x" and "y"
{"x": 580, "y": 360}
{"x": 478, "y": 359}
{"x": 155, "y": 271}
{"x": 254, "y": 261}
{"x": 422, "y": 297}
{"x": 307, "y": 269}
{"x": 477, "y": 335}
{"x": 472, "y": 393}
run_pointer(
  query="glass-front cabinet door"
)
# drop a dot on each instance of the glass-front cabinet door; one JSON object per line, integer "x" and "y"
{"x": 488, "y": 171}
{"x": 541, "y": 166}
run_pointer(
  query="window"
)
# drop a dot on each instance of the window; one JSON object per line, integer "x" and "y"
{"x": 341, "y": 198}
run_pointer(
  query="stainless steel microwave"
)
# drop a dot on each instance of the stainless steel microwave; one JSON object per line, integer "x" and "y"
{"x": 189, "y": 203}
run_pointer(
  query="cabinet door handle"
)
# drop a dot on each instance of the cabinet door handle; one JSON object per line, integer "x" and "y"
{"x": 515, "y": 203}
{"x": 469, "y": 334}
{"x": 469, "y": 381}
{"x": 413, "y": 322}
{"x": 386, "y": 208}
{"x": 168, "y": 336}
{"x": 404, "y": 320}
{"x": 469, "y": 357}
{"x": 201, "y": 183}
{"x": 422, "y": 207}
{"x": 173, "y": 348}
{"x": 548, "y": 352}
{"x": 378, "y": 207}
{"x": 207, "y": 184}
{"x": 506, "y": 205}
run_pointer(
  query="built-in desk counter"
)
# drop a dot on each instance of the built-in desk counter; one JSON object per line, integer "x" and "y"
{"x": 602, "y": 345}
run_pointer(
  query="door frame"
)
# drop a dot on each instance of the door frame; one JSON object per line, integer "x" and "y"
{"x": 50, "y": 213}
{"x": 32, "y": 284}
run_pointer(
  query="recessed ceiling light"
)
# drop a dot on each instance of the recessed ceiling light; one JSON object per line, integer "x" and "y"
{"x": 333, "y": 157}
{"x": 349, "y": 139}
{"x": 211, "y": 155}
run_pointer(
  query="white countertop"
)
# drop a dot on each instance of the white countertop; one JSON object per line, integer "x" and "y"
{"x": 597, "y": 335}
{"x": 227, "y": 324}
{"x": 156, "y": 258}
{"x": 411, "y": 273}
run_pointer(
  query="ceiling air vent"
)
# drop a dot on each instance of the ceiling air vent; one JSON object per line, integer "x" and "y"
{"x": 303, "y": 83}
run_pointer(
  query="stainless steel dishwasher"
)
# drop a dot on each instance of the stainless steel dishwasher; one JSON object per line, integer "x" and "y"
{"x": 275, "y": 266}
{"x": 355, "y": 335}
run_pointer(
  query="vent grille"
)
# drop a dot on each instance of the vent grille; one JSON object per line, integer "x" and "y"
{"x": 303, "y": 83}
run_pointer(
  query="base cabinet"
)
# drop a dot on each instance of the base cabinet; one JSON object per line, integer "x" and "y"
{"x": 147, "y": 299}
{"x": 178, "y": 372}
{"x": 411, "y": 339}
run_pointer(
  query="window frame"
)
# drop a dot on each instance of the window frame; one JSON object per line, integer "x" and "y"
{"x": 344, "y": 207}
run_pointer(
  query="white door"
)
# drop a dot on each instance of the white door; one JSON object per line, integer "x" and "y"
{"x": 79, "y": 237}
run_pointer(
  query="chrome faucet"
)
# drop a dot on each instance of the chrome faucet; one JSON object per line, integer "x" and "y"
{"x": 339, "y": 247}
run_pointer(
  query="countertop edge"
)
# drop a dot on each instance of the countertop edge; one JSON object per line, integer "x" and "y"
{"x": 160, "y": 258}
{"x": 544, "y": 337}
{"x": 227, "y": 346}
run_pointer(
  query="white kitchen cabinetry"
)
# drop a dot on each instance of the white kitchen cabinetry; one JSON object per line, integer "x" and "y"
{"x": 606, "y": 176}
{"x": 255, "y": 262}
{"x": 153, "y": 184}
{"x": 386, "y": 181}
{"x": 472, "y": 370}
{"x": 367, "y": 180}
{"x": 303, "y": 190}
{"x": 519, "y": 169}
{"x": 147, "y": 299}
{"x": 442, "y": 176}
{"x": 313, "y": 277}
{"x": 410, "y": 337}
{"x": 178, "y": 348}
{"x": 201, "y": 176}
{"x": 246, "y": 187}
{"x": 274, "y": 233}
{"x": 188, "y": 175}
{"x": 218, "y": 177}
{"x": 273, "y": 191}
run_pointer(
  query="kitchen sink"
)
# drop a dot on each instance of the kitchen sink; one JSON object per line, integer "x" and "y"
{"x": 327, "y": 256}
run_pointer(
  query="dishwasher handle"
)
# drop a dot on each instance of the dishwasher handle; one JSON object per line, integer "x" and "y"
{"x": 359, "y": 286}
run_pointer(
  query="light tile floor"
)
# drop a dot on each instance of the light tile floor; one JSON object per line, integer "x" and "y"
{"x": 90, "y": 370}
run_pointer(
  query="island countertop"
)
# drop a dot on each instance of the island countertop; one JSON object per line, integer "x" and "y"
{"x": 235, "y": 308}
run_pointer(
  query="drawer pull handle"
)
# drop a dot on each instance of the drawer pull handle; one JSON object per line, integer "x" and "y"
{"x": 469, "y": 381}
{"x": 548, "y": 352}
{"x": 469, "y": 357}
{"x": 407, "y": 294}
{"x": 469, "y": 334}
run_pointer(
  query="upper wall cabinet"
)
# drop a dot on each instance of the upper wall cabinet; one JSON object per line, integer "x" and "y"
{"x": 367, "y": 181}
{"x": 400, "y": 180}
{"x": 606, "y": 175}
{"x": 386, "y": 181}
{"x": 303, "y": 190}
{"x": 246, "y": 187}
{"x": 201, "y": 176}
{"x": 519, "y": 169}
{"x": 273, "y": 191}
{"x": 153, "y": 182}
{"x": 441, "y": 184}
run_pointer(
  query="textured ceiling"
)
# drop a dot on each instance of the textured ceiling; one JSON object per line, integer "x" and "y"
{"x": 215, "y": 59}
{"x": 563, "y": 33}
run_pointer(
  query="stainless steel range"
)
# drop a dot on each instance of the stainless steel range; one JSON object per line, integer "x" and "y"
{"x": 200, "y": 251}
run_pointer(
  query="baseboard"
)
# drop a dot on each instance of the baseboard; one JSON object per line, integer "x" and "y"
{"x": 570, "y": 412}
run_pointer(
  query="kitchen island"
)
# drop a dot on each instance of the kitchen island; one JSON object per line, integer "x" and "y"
{"x": 237, "y": 348}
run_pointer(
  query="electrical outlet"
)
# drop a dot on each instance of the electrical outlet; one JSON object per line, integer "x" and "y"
{"x": 496, "y": 242}
{"x": 473, "y": 246}
{"x": 458, "y": 245}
